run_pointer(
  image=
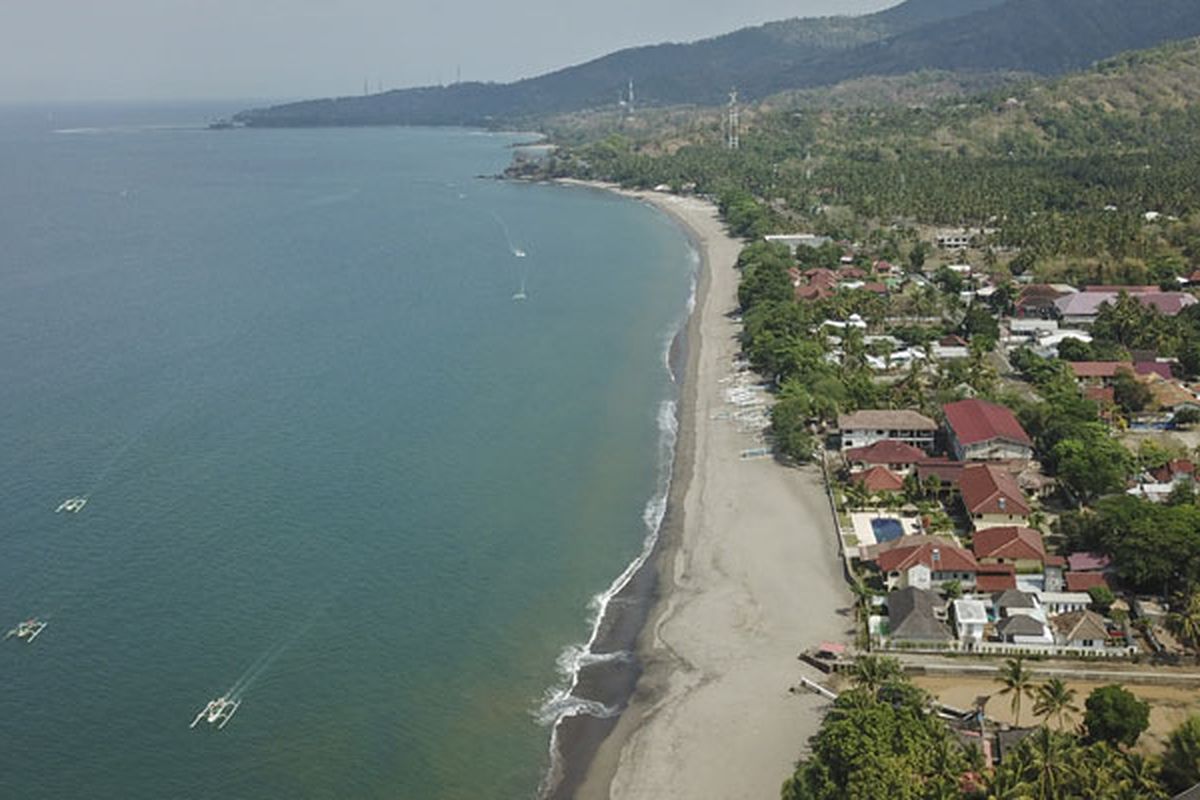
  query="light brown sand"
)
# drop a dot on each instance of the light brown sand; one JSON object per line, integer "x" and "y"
{"x": 1169, "y": 705}
{"x": 749, "y": 577}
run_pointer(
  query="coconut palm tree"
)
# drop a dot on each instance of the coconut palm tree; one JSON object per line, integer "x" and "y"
{"x": 1018, "y": 682}
{"x": 873, "y": 672}
{"x": 1054, "y": 699}
{"x": 1049, "y": 759}
{"x": 1185, "y": 623}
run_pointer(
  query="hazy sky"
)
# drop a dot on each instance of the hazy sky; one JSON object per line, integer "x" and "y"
{"x": 143, "y": 49}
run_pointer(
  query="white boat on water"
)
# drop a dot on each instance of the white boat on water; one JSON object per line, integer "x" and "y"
{"x": 218, "y": 712}
{"x": 71, "y": 505}
{"x": 27, "y": 630}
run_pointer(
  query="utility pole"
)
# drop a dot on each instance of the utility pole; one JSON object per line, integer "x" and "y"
{"x": 630, "y": 107}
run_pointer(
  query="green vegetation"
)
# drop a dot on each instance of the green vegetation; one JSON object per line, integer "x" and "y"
{"x": 882, "y": 740}
{"x": 1116, "y": 716}
{"x": 1017, "y": 683}
{"x": 1154, "y": 547}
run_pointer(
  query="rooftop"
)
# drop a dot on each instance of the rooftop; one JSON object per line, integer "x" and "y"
{"x": 1014, "y": 542}
{"x": 936, "y": 556}
{"x": 878, "y": 479}
{"x": 1099, "y": 369}
{"x": 1088, "y": 562}
{"x": 886, "y": 452}
{"x": 976, "y": 421}
{"x": 1020, "y": 625}
{"x": 966, "y": 610}
{"x": 1013, "y": 598}
{"x": 989, "y": 489}
{"x": 1082, "y": 581}
{"x": 883, "y": 419}
{"x": 1079, "y": 625}
{"x": 913, "y": 615}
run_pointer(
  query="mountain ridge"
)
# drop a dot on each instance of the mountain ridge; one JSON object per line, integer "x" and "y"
{"x": 1043, "y": 36}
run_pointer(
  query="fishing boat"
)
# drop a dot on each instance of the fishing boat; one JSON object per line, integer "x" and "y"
{"x": 27, "y": 630}
{"x": 72, "y": 505}
{"x": 218, "y": 712}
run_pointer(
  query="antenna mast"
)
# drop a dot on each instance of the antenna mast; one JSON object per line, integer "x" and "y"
{"x": 732, "y": 140}
{"x": 631, "y": 97}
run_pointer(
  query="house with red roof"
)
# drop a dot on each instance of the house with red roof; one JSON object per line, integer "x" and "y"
{"x": 899, "y": 457}
{"x": 1010, "y": 545}
{"x": 927, "y": 565}
{"x": 1174, "y": 471}
{"x": 1099, "y": 373}
{"x": 1160, "y": 368}
{"x": 992, "y": 497}
{"x": 1088, "y": 562}
{"x": 993, "y": 578}
{"x": 878, "y": 480}
{"x": 1083, "y": 581}
{"x": 983, "y": 431}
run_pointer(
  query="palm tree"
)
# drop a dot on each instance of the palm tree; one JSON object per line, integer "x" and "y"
{"x": 1185, "y": 623}
{"x": 1049, "y": 753}
{"x": 873, "y": 672}
{"x": 1054, "y": 699}
{"x": 1138, "y": 776}
{"x": 1018, "y": 682}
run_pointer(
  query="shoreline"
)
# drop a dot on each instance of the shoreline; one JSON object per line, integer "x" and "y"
{"x": 745, "y": 574}
{"x": 576, "y": 740}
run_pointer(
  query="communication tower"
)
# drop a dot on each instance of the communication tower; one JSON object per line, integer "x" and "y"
{"x": 732, "y": 140}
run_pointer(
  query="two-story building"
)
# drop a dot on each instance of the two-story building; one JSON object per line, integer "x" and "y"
{"x": 992, "y": 497}
{"x": 865, "y": 428}
{"x": 981, "y": 431}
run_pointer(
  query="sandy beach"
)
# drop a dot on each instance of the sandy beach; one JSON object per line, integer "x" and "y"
{"x": 748, "y": 576}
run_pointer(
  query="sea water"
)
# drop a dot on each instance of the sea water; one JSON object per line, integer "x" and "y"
{"x": 328, "y": 458}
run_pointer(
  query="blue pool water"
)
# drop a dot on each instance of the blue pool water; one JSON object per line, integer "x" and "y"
{"x": 887, "y": 529}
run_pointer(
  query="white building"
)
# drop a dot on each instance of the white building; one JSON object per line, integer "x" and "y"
{"x": 970, "y": 617}
{"x": 865, "y": 428}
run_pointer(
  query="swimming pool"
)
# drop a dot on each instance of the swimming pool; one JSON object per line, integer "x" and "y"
{"x": 887, "y": 529}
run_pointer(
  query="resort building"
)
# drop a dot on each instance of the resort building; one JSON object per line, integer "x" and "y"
{"x": 865, "y": 428}
{"x": 983, "y": 431}
{"x": 992, "y": 497}
{"x": 794, "y": 241}
{"x": 918, "y": 616}
{"x": 1013, "y": 545}
{"x": 899, "y": 457}
{"x": 970, "y": 619}
{"x": 1081, "y": 629}
{"x": 878, "y": 480}
{"x": 1099, "y": 373}
{"x": 1084, "y": 307}
{"x": 927, "y": 565}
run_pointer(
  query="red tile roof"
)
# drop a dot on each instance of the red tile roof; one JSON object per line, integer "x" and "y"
{"x": 1104, "y": 395}
{"x": 1099, "y": 369}
{"x": 1013, "y": 542}
{"x": 879, "y": 479}
{"x": 995, "y": 583}
{"x": 943, "y": 469}
{"x": 977, "y": 421}
{"x": 886, "y": 452}
{"x": 988, "y": 489}
{"x": 1178, "y": 466}
{"x": 813, "y": 293}
{"x": 1055, "y": 561}
{"x": 875, "y": 288}
{"x": 1153, "y": 368}
{"x": 949, "y": 558}
{"x": 1082, "y": 581}
{"x": 1088, "y": 562}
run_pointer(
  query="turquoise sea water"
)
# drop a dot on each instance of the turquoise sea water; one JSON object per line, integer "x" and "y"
{"x": 318, "y": 437}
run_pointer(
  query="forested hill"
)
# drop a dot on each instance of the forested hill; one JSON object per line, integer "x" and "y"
{"x": 1046, "y": 36}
